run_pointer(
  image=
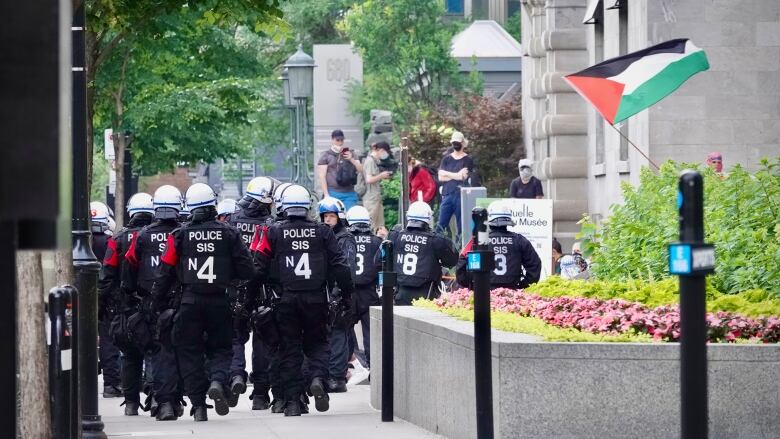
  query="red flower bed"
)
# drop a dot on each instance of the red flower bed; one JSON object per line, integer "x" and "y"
{"x": 617, "y": 316}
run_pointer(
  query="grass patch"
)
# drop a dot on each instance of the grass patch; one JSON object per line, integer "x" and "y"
{"x": 506, "y": 321}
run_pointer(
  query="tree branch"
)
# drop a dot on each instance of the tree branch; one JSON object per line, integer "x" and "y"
{"x": 105, "y": 52}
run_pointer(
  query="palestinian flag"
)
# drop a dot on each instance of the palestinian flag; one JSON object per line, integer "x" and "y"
{"x": 623, "y": 86}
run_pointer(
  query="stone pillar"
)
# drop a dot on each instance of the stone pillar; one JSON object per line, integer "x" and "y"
{"x": 554, "y": 115}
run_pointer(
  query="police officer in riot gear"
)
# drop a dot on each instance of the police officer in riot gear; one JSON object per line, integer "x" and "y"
{"x": 366, "y": 271}
{"x": 255, "y": 212}
{"x": 306, "y": 256}
{"x": 112, "y": 301}
{"x": 205, "y": 256}
{"x": 342, "y": 320}
{"x": 517, "y": 265}
{"x": 278, "y": 200}
{"x": 102, "y": 229}
{"x": 420, "y": 255}
{"x": 143, "y": 257}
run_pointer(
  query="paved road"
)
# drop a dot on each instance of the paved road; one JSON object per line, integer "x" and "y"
{"x": 350, "y": 417}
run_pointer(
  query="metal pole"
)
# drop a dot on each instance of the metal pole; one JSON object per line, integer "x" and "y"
{"x": 60, "y": 363}
{"x": 85, "y": 264}
{"x": 293, "y": 140}
{"x": 73, "y": 323}
{"x": 387, "y": 282}
{"x": 8, "y": 244}
{"x": 480, "y": 263}
{"x": 403, "y": 157}
{"x": 693, "y": 329}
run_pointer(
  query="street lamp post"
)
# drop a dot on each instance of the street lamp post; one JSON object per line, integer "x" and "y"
{"x": 289, "y": 104}
{"x": 300, "y": 72}
{"x": 86, "y": 265}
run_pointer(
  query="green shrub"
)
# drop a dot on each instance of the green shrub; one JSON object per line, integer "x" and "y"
{"x": 510, "y": 322}
{"x": 750, "y": 303}
{"x": 742, "y": 220}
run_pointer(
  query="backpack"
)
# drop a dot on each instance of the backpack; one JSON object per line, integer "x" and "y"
{"x": 346, "y": 173}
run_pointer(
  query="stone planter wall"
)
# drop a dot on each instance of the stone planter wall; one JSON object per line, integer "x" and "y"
{"x": 569, "y": 390}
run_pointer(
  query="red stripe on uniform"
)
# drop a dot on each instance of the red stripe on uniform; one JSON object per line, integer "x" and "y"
{"x": 112, "y": 257}
{"x": 260, "y": 241}
{"x": 170, "y": 256}
{"x": 467, "y": 248}
{"x": 130, "y": 254}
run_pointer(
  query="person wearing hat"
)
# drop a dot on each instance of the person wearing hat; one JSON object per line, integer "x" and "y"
{"x": 372, "y": 199}
{"x": 715, "y": 161}
{"x": 455, "y": 170}
{"x": 526, "y": 185}
{"x": 337, "y": 171}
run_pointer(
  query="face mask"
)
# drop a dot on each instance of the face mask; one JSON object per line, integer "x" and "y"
{"x": 457, "y": 146}
{"x": 335, "y": 148}
{"x": 525, "y": 174}
{"x": 383, "y": 155}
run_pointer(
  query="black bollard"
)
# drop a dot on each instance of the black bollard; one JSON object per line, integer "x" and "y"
{"x": 691, "y": 259}
{"x": 387, "y": 282}
{"x": 480, "y": 264}
{"x": 60, "y": 364}
{"x": 72, "y": 319}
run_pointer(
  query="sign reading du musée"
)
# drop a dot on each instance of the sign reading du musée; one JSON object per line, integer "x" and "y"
{"x": 533, "y": 219}
{"x": 337, "y": 68}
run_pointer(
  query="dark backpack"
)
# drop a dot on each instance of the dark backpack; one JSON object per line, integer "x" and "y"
{"x": 346, "y": 173}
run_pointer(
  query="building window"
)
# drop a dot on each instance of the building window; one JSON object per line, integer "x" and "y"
{"x": 454, "y": 6}
{"x": 623, "y": 24}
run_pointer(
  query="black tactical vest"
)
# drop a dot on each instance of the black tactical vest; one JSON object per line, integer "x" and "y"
{"x": 300, "y": 255}
{"x": 508, "y": 258}
{"x": 415, "y": 258}
{"x": 151, "y": 240}
{"x": 365, "y": 269}
{"x": 205, "y": 256}
{"x": 246, "y": 225}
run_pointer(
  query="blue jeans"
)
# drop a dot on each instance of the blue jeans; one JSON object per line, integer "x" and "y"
{"x": 349, "y": 199}
{"x": 450, "y": 205}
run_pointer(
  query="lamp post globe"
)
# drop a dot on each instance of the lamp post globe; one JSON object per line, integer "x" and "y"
{"x": 288, "y": 100}
{"x": 300, "y": 71}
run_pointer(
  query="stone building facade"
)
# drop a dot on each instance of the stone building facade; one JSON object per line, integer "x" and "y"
{"x": 733, "y": 108}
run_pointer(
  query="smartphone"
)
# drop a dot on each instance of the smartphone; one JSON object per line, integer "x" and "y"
{"x": 344, "y": 149}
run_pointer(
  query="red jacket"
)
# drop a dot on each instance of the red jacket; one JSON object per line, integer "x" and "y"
{"x": 421, "y": 180}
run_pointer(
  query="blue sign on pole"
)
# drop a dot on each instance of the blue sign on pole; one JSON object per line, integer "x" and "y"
{"x": 474, "y": 262}
{"x": 679, "y": 259}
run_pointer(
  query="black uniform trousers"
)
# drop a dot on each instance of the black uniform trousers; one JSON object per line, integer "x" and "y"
{"x": 108, "y": 355}
{"x": 132, "y": 373}
{"x": 199, "y": 315}
{"x": 302, "y": 319}
{"x": 365, "y": 296}
{"x": 407, "y": 294}
{"x": 261, "y": 358}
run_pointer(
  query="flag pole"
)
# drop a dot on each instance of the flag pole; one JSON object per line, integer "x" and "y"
{"x": 635, "y": 147}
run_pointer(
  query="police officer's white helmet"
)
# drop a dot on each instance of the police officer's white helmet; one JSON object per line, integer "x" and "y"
{"x": 332, "y": 205}
{"x": 261, "y": 189}
{"x": 278, "y": 195}
{"x": 358, "y": 215}
{"x": 99, "y": 212}
{"x": 295, "y": 200}
{"x": 140, "y": 203}
{"x": 500, "y": 214}
{"x": 226, "y": 207}
{"x": 200, "y": 195}
{"x": 419, "y": 213}
{"x": 167, "y": 202}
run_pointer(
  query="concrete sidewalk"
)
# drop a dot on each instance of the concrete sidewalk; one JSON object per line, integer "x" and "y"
{"x": 350, "y": 416}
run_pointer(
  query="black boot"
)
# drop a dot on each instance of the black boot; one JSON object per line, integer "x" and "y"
{"x": 304, "y": 404}
{"x": 260, "y": 402}
{"x": 237, "y": 388}
{"x": 199, "y": 413}
{"x": 178, "y": 408}
{"x": 321, "y": 398}
{"x": 217, "y": 393}
{"x": 277, "y": 406}
{"x": 166, "y": 412}
{"x": 292, "y": 408}
{"x": 112, "y": 392}
{"x": 131, "y": 408}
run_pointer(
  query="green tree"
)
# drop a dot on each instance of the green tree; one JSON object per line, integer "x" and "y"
{"x": 405, "y": 45}
{"x": 133, "y": 47}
